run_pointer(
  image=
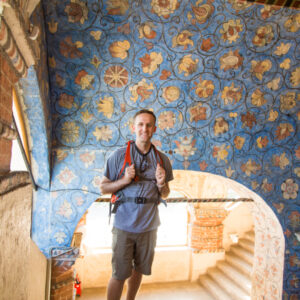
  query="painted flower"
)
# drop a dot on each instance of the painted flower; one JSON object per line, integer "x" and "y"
{"x": 60, "y": 237}
{"x": 286, "y": 64}
{"x": 69, "y": 132}
{"x": 263, "y": 36}
{"x": 60, "y": 154}
{"x": 166, "y": 120}
{"x": 151, "y": 62}
{"x": 292, "y": 24}
{"x": 239, "y": 5}
{"x": 201, "y": 12}
{"x": 187, "y": 65}
{"x": 197, "y": 113}
{"x": 206, "y": 44}
{"x": 97, "y": 181}
{"x": 96, "y": 34}
{"x": 185, "y": 147}
{"x": 116, "y": 76}
{"x": 258, "y": 68}
{"x": 231, "y": 60}
{"x": 164, "y": 8}
{"x": 146, "y": 31}
{"x": 165, "y": 74}
{"x": 220, "y": 152}
{"x": 231, "y": 94}
{"x": 288, "y": 101}
{"x": 204, "y": 88}
{"x": 289, "y": 189}
{"x": 229, "y": 171}
{"x": 142, "y": 90}
{"x": 119, "y": 49}
{"x": 183, "y": 39}
{"x": 282, "y": 49}
{"x": 248, "y": 119}
{"x": 220, "y": 126}
{"x": 250, "y": 167}
{"x": 103, "y": 133}
{"x": 65, "y": 210}
{"x": 86, "y": 117}
{"x": 77, "y": 11}
{"x": 52, "y": 26}
{"x": 273, "y": 115}
{"x": 266, "y": 186}
{"x": 87, "y": 158}
{"x": 171, "y": 93}
{"x": 268, "y": 10}
{"x": 274, "y": 84}
{"x": 297, "y": 152}
{"x": 257, "y": 98}
{"x": 69, "y": 49}
{"x": 60, "y": 81}
{"x": 79, "y": 200}
{"x": 84, "y": 80}
{"x": 295, "y": 78}
{"x": 203, "y": 165}
{"x": 106, "y": 106}
{"x": 280, "y": 161}
{"x": 117, "y": 7}
{"x": 66, "y": 176}
{"x": 262, "y": 142}
{"x": 95, "y": 61}
{"x": 283, "y": 131}
{"x": 239, "y": 142}
{"x": 231, "y": 30}
{"x": 66, "y": 101}
{"x": 297, "y": 171}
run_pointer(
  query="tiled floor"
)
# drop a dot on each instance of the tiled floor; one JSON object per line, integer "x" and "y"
{"x": 166, "y": 291}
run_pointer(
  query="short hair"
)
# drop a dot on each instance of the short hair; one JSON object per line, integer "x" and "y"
{"x": 145, "y": 111}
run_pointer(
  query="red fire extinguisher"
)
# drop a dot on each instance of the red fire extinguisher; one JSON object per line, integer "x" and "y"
{"x": 77, "y": 286}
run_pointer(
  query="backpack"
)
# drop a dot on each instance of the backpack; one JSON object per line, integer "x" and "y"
{"x": 128, "y": 161}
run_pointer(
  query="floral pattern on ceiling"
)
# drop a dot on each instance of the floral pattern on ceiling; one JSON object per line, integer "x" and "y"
{"x": 223, "y": 78}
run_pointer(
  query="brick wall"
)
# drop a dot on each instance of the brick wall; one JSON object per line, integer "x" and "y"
{"x": 7, "y": 80}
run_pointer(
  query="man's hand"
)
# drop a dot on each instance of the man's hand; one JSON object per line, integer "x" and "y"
{"x": 129, "y": 173}
{"x": 160, "y": 175}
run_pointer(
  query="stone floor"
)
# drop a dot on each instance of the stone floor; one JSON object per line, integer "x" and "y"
{"x": 166, "y": 291}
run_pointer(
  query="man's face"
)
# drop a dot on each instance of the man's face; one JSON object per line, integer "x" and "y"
{"x": 144, "y": 127}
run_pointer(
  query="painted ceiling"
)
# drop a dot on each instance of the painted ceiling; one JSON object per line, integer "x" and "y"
{"x": 223, "y": 78}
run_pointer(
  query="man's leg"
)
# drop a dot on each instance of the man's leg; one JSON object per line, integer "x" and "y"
{"x": 134, "y": 283}
{"x": 114, "y": 289}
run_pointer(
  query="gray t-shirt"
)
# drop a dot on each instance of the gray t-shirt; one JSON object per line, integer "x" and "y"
{"x": 130, "y": 216}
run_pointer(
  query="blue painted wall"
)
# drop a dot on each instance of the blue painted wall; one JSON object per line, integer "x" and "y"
{"x": 223, "y": 79}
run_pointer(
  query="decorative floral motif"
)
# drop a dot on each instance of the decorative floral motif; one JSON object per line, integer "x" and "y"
{"x": 65, "y": 210}
{"x": 183, "y": 39}
{"x": 231, "y": 94}
{"x": 103, "y": 133}
{"x": 283, "y": 131}
{"x": 66, "y": 176}
{"x": 86, "y": 117}
{"x": 66, "y": 101}
{"x": 69, "y": 132}
{"x": 248, "y": 119}
{"x": 274, "y": 84}
{"x": 171, "y": 93}
{"x": 204, "y": 88}
{"x": 286, "y": 64}
{"x": 95, "y": 62}
{"x": 187, "y": 65}
{"x": 295, "y": 78}
{"x": 268, "y": 10}
{"x": 146, "y": 31}
{"x": 117, "y": 7}
{"x": 220, "y": 126}
{"x": 186, "y": 146}
{"x": 262, "y": 142}
{"x": 96, "y": 34}
{"x": 220, "y": 152}
{"x": 207, "y": 44}
{"x": 231, "y": 60}
{"x": 239, "y": 142}
{"x": 119, "y": 49}
{"x": 289, "y": 189}
{"x": 292, "y": 24}
{"x": 267, "y": 187}
{"x": 87, "y": 158}
{"x": 287, "y": 101}
{"x": 197, "y": 113}
{"x": 282, "y": 49}
{"x": 84, "y": 80}
{"x": 141, "y": 91}
{"x": 166, "y": 120}
{"x": 231, "y": 30}
{"x": 280, "y": 161}
{"x": 116, "y": 76}
{"x": 201, "y": 12}
{"x": 60, "y": 237}
{"x": 250, "y": 167}
{"x": 151, "y": 62}
{"x": 69, "y": 49}
{"x": 259, "y": 68}
{"x": 164, "y": 8}
{"x": 106, "y": 106}
{"x": 257, "y": 98}
{"x": 77, "y": 11}
{"x": 263, "y": 36}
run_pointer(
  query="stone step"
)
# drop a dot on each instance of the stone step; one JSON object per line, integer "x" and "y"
{"x": 227, "y": 285}
{"x": 242, "y": 253}
{"x": 239, "y": 263}
{"x": 247, "y": 244}
{"x": 213, "y": 288}
{"x": 242, "y": 280}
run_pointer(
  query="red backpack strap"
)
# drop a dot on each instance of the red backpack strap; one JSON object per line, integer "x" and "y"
{"x": 127, "y": 158}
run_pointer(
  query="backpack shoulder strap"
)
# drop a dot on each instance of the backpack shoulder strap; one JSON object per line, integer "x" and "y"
{"x": 127, "y": 159}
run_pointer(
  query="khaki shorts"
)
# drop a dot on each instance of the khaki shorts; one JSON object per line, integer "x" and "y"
{"x": 132, "y": 251}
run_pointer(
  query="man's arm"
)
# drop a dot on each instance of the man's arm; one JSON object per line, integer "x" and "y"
{"x": 110, "y": 187}
{"x": 164, "y": 190}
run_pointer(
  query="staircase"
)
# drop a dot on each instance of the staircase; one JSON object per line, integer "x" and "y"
{"x": 230, "y": 279}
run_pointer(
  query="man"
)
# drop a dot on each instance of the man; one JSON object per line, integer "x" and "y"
{"x": 136, "y": 221}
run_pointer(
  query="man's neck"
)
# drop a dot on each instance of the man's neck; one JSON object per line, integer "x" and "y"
{"x": 143, "y": 147}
